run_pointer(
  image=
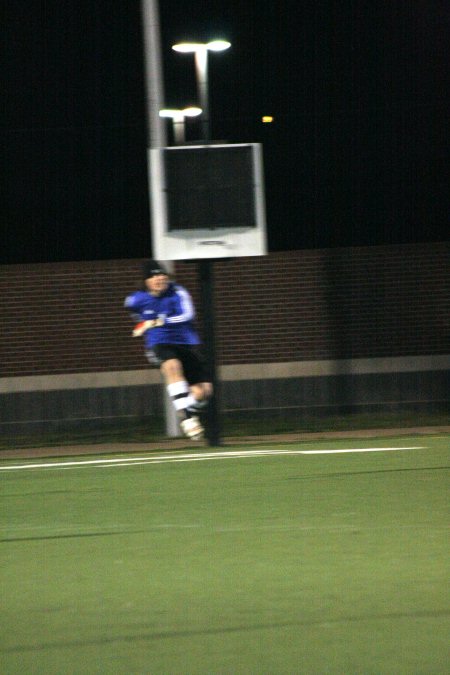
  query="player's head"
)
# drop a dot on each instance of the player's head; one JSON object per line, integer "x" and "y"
{"x": 156, "y": 278}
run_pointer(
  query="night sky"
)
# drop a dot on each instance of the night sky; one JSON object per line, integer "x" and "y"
{"x": 356, "y": 154}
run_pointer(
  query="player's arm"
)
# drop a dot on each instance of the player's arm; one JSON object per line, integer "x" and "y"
{"x": 143, "y": 326}
{"x": 184, "y": 307}
{"x": 133, "y": 305}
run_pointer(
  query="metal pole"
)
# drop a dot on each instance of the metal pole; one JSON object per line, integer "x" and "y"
{"x": 156, "y": 129}
{"x": 153, "y": 73}
{"x": 206, "y": 274}
{"x": 179, "y": 135}
{"x": 201, "y": 68}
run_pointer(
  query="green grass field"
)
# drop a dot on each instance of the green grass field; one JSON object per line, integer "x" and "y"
{"x": 252, "y": 563}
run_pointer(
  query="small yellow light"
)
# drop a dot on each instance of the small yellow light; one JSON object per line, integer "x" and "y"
{"x": 267, "y": 119}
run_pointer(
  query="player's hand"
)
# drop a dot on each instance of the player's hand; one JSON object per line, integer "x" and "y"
{"x": 144, "y": 326}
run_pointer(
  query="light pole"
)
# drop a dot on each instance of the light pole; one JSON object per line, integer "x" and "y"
{"x": 201, "y": 50}
{"x": 156, "y": 130}
{"x": 205, "y": 267}
{"x": 178, "y": 119}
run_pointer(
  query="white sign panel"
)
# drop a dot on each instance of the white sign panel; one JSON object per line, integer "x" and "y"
{"x": 207, "y": 201}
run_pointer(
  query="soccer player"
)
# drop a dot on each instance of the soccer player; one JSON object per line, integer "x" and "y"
{"x": 165, "y": 312}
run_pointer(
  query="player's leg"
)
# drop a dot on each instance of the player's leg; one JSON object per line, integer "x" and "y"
{"x": 177, "y": 386}
{"x": 196, "y": 374}
{"x": 181, "y": 397}
{"x": 202, "y": 392}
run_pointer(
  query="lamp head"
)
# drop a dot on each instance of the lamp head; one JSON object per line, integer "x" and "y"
{"x": 179, "y": 115}
{"x": 190, "y": 47}
{"x": 192, "y": 111}
{"x": 218, "y": 45}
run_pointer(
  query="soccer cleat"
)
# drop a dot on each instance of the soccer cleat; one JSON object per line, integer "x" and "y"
{"x": 192, "y": 428}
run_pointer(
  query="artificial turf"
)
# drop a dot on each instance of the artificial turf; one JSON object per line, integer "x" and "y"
{"x": 324, "y": 563}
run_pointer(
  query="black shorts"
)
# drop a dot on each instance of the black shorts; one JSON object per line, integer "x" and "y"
{"x": 189, "y": 355}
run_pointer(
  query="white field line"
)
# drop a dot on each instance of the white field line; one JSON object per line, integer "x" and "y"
{"x": 334, "y": 452}
{"x": 191, "y": 457}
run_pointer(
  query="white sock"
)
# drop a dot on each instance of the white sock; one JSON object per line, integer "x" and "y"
{"x": 180, "y": 394}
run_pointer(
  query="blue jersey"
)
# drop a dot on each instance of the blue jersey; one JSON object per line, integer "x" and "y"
{"x": 174, "y": 307}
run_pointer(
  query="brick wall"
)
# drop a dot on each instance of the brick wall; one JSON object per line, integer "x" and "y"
{"x": 291, "y": 306}
{"x": 332, "y": 304}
